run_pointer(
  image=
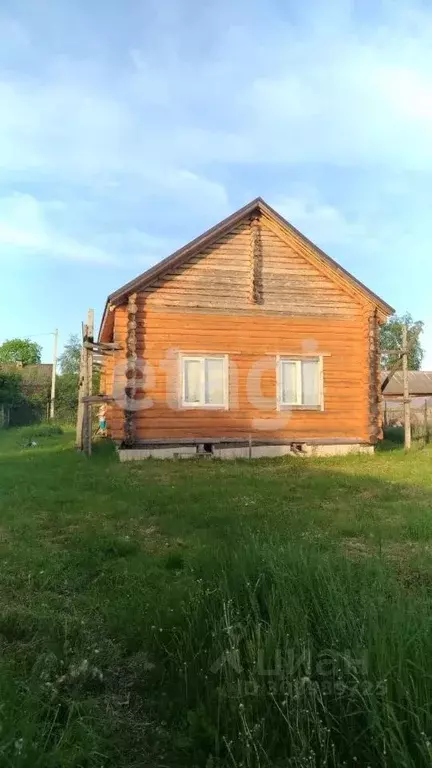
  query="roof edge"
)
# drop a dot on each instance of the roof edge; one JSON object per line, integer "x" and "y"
{"x": 266, "y": 208}
{"x": 185, "y": 252}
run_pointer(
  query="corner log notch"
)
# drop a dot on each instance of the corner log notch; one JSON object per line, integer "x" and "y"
{"x": 255, "y": 260}
{"x": 375, "y": 421}
{"x": 131, "y": 369}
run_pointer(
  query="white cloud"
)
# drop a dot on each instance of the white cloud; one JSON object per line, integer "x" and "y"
{"x": 322, "y": 223}
{"x": 25, "y": 227}
{"x": 352, "y": 104}
{"x": 160, "y": 127}
{"x": 325, "y": 92}
{"x": 31, "y": 227}
{"x": 60, "y": 127}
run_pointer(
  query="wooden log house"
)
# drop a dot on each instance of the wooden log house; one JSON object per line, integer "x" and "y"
{"x": 248, "y": 340}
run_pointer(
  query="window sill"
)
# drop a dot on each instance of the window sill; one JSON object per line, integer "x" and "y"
{"x": 300, "y": 408}
{"x": 199, "y": 407}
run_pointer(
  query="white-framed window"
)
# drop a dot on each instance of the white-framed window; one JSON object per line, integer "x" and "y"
{"x": 300, "y": 382}
{"x": 204, "y": 381}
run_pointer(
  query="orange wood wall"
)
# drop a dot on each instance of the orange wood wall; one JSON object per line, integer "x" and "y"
{"x": 219, "y": 277}
{"x": 205, "y": 307}
{"x": 248, "y": 340}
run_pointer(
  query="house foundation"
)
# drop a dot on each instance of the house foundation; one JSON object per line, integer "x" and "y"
{"x": 241, "y": 450}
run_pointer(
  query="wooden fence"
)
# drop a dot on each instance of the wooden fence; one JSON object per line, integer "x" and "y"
{"x": 420, "y": 414}
{"x": 4, "y": 416}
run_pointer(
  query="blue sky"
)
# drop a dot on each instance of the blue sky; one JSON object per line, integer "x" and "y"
{"x": 128, "y": 128}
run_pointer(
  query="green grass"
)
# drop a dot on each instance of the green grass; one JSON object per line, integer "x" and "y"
{"x": 203, "y": 613}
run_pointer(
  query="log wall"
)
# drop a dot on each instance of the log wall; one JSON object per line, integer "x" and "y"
{"x": 253, "y": 295}
{"x": 252, "y": 345}
{"x": 280, "y": 276}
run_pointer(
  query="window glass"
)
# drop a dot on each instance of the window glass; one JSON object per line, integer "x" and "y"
{"x": 289, "y": 394}
{"x": 299, "y": 382}
{"x": 192, "y": 381}
{"x": 214, "y": 381}
{"x": 204, "y": 381}
{"x": 310, "y": 382}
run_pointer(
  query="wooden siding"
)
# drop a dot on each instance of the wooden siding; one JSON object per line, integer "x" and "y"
{"x": 256, "y": 293}
{"x": 285, "y": 278}
{"x": 113, "y": 379}
{"x": 252, "y": 343}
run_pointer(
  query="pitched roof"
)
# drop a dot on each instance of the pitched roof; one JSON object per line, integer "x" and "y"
{"x": 34, "y": 378}
{"x": 202, "y": 241}
{"x": 419, "y": 383}
{"x": 36, "y": 372}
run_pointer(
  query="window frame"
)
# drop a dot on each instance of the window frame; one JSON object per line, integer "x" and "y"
{"x": 201, "y": 358}
{"x": 298, "y": 360}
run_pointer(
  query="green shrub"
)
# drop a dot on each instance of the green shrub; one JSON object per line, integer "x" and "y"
{"x": 394, "y": 434}
{"x": 40, "y": 430}
{"x": 66, "y": 402}
{"x": 10, "y": 388}
{"x": 31, "y": 410}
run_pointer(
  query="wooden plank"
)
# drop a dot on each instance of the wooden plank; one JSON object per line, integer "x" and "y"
{"x": 97, "y": 346}
{"x": 254, "y": 441}
{"x": 130, "y": 375}
{"x": 256, "y": 312}
{"x": 97, "y": 399}
{"x": 84, "y": 414}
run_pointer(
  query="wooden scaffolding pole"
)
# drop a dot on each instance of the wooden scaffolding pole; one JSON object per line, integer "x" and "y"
{"x": 131, "y": 371}
{"x": 86, "y": 398}
{"x": 89, "y": 382}
{"x": 85, "y": 387}
{"x": 407, "y": 404}
{"x": 81, "y": 393}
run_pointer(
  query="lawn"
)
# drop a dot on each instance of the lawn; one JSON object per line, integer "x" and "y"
{"x": 213, "y": 614}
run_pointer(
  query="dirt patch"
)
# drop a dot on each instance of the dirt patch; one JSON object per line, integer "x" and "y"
{"x": 395, "y": 552}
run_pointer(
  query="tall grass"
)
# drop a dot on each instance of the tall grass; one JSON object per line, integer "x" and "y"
{"x": 296, "y": 657}
{"x": 41, "y": 727}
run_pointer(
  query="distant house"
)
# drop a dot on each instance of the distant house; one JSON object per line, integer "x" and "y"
{"x": 248, "y": 336}
{"x": 36, "y": 379}
{"x": 35, "y": 383}
{"x": 419, "y": 387}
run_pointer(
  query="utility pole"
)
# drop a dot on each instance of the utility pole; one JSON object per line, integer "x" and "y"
{"x": 407, "y": 412}
{"x": 53, "y": 376}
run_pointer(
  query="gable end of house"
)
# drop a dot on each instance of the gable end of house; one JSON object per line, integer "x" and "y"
{"x": 257, "y": 260}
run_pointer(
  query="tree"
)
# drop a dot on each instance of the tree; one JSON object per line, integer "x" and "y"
{"x": 66, "y": 401}
{"x": 10, "y": 388}
{"x": 21, "y": 351}
{"x": 69, "y": 360}
{"x": 391, "y": 339}
{"x": 67, "y": 382}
